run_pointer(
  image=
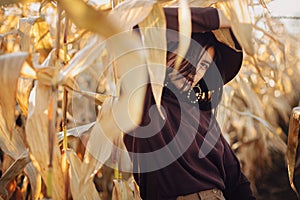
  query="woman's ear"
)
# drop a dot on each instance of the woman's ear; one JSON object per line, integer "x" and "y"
{"x": 223, "y": 21}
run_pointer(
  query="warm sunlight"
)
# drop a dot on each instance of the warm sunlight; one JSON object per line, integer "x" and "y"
{"x": 289, "y": 13}
{"x": 95, "y": 104}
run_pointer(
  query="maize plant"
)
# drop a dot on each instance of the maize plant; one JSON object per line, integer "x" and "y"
{"x": 64, "y": 75}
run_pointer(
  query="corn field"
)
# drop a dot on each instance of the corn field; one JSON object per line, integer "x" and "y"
{"x": 57, "y": 57}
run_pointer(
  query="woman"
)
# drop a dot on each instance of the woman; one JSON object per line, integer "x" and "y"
{"x": 185, "y": 156}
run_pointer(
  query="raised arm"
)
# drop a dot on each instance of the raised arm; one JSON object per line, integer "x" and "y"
{"x": 203, "y": 19}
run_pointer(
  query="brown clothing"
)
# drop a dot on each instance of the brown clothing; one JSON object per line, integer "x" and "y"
{"x": 185, "y": 153}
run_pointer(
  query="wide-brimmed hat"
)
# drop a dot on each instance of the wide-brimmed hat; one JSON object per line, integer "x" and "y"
{"x": 230, "y": 54}
{"x": 230, "y": 57}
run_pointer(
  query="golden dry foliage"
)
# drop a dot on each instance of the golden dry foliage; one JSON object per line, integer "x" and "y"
{"x": 35, "y": 36}
{"x": 24, "y": 88}
{"x": 16, "y": 168}
{"x": 81, "y": 188}
{"x": 293, "y": 144}
{"x": 241, "y": 23}
{"x": 151, "y": 28}
{"x": 9, "y": 77}
{"x": 261, "y": 99}
{"x": 122, "y": 190}
{"x": 40, "y": 62}
{"x": 14, "y": 147}
{"x": 37, "y": 131}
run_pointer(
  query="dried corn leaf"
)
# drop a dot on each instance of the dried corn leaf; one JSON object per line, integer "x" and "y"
{"x": 10, "y": 66}
{"x": 50, "y": 60}
{"x": 237, "y": 12}
{"x": 202, "y": 3}
{"x": 121, "y": 190}
{"x": 76, "y": 131}
{"x": 14, "y": 147}
{"x": 192, "y": 3}
{"x": 98, "y": 150}
{"x": 35, "y": 180}
{"x": 281, "y": 107}
{"x": 98, "y": 146}
{"x": 87, "y": 17}
{"x": 11, "y": 146}
{"x": 35, "y": 35}
{"x": 24, "y": 88}
{"x": 130, "y": 13}
{"x": 127, "y": 49}
{"x": 48, "y": 75}
{"x": 41, "y": 34}
{"x": 83, "y": 59}
{"x": 28, "y": 71}
{"x": 37, "y": 138}
{"x": 223, "y": 112}
{"x": 293, "y": 144}
{"x": 185, "y": 31}
{"x": 254, "y": 103}
{"x": 25, "y": 26}
{"x": 254, "y": 117}
{"x": 136, "y": 190}
{"x": 128, "y": 56}
{"x": 8, "y": 2}
{"x": 15, "y": 169}
{"x": 120, "y": 159}
{"x": 287, "y": 84}
{"x": 223, "y": 35}
{"x": 79, "y": 189}
{"x": 153, "y": 30}
{"x": 96, "y": 97}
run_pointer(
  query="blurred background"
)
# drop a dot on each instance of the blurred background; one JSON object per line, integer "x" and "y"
{"x": 257, "y": 113}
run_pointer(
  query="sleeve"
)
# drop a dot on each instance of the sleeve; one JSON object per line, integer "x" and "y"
{"x": 203, "y": 19}
{"x": 237, "y": 186}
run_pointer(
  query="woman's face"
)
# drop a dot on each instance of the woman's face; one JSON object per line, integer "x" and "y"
{"x": 203, "y": 64}
{"x": 184, "y": 84}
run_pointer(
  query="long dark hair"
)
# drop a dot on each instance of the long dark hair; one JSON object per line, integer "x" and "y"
{"x": 213, "y": 80}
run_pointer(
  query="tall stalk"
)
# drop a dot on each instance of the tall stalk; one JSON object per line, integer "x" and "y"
{"x": 51, "y": 133}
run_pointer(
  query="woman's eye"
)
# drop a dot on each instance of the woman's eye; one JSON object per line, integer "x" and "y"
{"x": 204, "y": 65}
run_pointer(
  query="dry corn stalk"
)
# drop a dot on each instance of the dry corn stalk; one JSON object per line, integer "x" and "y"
{"x": 254, "y": 104}
{"x": 293, "y": 134}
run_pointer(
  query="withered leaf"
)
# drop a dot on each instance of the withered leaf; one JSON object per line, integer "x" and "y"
{"x": 238, "y": 14}
{"x": 10, "y": 66}
{"x": 87, "y": 17}
{"x": 77, "y": 172}
{"x": 37, "y": 138}
{"x": 15, "y": 169}
{"x": 153, "y": 30}
{"x": 294, "y": 126}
